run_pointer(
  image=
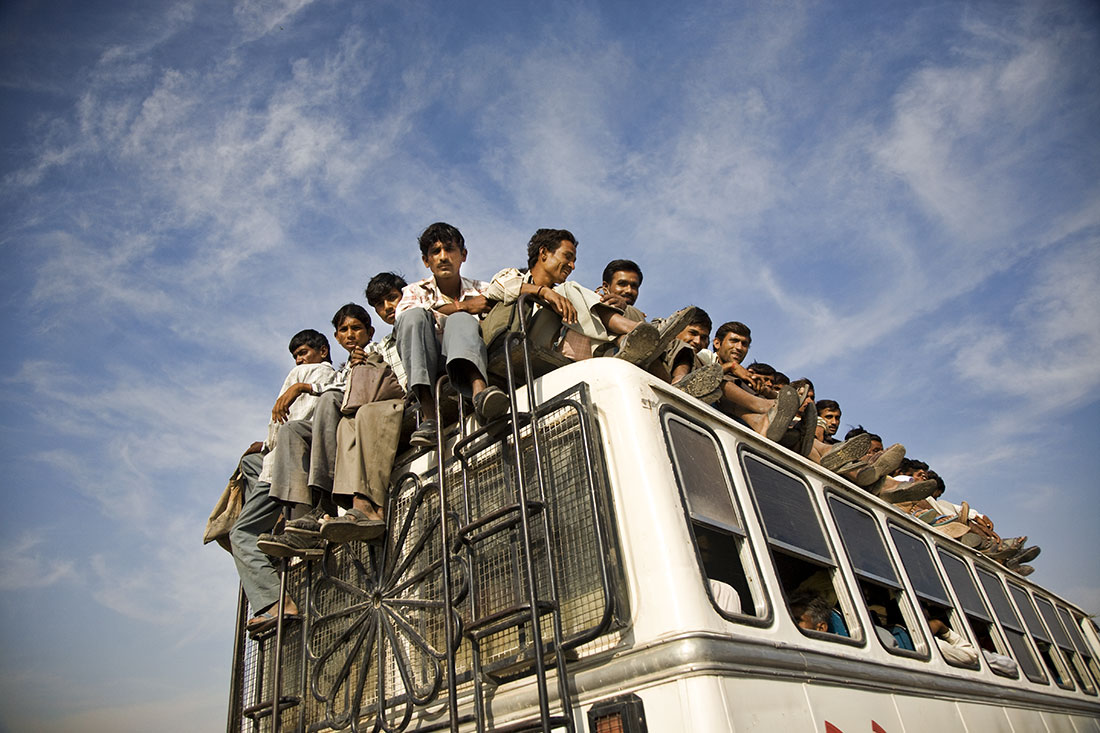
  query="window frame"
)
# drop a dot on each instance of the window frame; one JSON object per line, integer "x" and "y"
{"x": 1016, "y": 626}
{"x": 959, "y": 624}
{"x": 857, "y": 635}
{"x": 903, "y": 601}
{"x": 997, "y": 634}
{"x": 754, "y": 578}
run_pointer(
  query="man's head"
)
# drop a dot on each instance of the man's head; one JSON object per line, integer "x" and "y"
{"x": 352, "y": 324}
{"x": 829, "y": 412}
{"x": 732, "y": 342}
{"x": 623, "y": 278}
{"x": 553, "y": 252}
{"x": 766, "y": 371}
{"x": 810, "y": 612}
{"x": 443, "y": 250}
{"x": 780, "y": 380}
{"x": 384, "y": 293}
{"x": 912, "y": 467}
{"x": 309, "y": 347}
{"x": 697, "y": 332}
{"x": 876, "y": 441}
{"x": 940, "y": 485}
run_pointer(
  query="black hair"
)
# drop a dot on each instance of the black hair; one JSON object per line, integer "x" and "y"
{"x": 549, "y": 240}
{"x": 814, "y": 605}
{"x": 440, "y": 232}
{"x": 382, "y": 285}
{"x": 860, "y": 430}
{"x": 827, "y": 405}
{"x": 733, "y": 327}
{"x": 351, "y": 310}
{"x": 780, "y": 379}
{"x": 309, "y": 337}
{"x": 940, "y": 485}
{"x": 909, "y": 466}
{"x": 759, "y": 367}
{"x": 701, "y": 317}
{"x": 798, "y": 383}
{"x": 625, "y": 266}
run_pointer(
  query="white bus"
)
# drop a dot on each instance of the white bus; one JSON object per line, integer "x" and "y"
{"x": 663, "y": 544}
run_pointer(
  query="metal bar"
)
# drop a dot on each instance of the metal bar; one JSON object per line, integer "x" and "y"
{"x": 303, "y": 608}
{"x": 524, "y": 525}
{"x": 555, "y": 616}
{"x": 277, "y": 678}
{"x": 236, "y": 681}
{"x": 448, "y": 620}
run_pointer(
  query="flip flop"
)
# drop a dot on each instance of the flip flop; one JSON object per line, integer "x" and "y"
{"x": 850, "y": 450}
{"x": 266, "y": 620}
{"x": 808, "y": 428}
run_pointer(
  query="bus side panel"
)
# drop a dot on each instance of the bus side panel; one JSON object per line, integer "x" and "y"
{"x": 851, "y": 710}
{"x": 922, "y": 713}
{"x": 979, "y": 718}
{"x": 763, "y": 706}
{"x": 1025, "y": 721}
{"x": 1085, "y": 725}
{"x": 1058, "y": 723}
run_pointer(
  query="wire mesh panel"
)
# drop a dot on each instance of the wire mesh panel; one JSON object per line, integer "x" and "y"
{"x": 374, "y": 642}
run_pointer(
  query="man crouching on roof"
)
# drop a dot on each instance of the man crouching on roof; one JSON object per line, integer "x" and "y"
{"x": 565, "y": 315}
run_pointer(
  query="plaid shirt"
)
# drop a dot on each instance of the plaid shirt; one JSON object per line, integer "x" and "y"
{"x": 387, "y": 348}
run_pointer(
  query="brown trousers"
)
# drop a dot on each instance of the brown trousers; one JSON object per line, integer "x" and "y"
{"x": 366, "y": 444}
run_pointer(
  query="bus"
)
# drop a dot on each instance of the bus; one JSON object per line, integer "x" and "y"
{"x": 617, "y": 556}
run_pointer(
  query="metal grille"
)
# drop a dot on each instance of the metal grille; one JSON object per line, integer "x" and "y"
{"x": 375, "y": 644}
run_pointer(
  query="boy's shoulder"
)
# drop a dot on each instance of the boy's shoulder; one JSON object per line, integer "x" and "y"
{"x": 311, "y": 372}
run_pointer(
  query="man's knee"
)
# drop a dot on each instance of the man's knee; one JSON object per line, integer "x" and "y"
{"x": 413, "y": 320}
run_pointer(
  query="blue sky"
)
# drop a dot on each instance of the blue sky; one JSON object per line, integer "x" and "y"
{"x": 901, "y": 199}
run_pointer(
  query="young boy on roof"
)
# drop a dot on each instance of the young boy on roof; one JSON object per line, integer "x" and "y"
{"x": 383, "y": 294}
{"x": 259, "y": 511}
{"x": 437, "y": 323}
{"x": 303, "y": 474}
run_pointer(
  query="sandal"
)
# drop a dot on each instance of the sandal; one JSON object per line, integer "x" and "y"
{"x": 266, "y": 620}
{"x": 808, "y": 429}
{"x": 850, "y": 450}
{"x": 354, "y": 525}
{"x": 701, "y": 382}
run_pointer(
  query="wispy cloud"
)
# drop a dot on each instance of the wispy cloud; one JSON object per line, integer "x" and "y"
{"x": 26, "y": 563}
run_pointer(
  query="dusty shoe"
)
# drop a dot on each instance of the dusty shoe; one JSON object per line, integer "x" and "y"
{"x": 1025, "y": 555}
{"x": 701, "y": 382}
{"x": 885, "y": 464}
{"x": 491, "y": 403}
{"x": 782, "y": 412}
{"x": 640, "y": 345}
{"x": 1024, "y": 570}
{"x": 850, "y": 450}
{"x": 310, "y": 524}
{"x": 425, "y": 434}
{"x": 909, "y": 491}
{"x": 807, "y": 428}
{"x": 289, "y": 544}
{"x": 354, "y": 525}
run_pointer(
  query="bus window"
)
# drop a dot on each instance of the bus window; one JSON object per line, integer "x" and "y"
{"x": 1075, "y": 664}
{"x": 1070, "y": 622}
{"x": 1041, "y": 637}
{"x": 725, "y": 557}
{"x": 978, "y": 617}
{"x": 1010, "y": 622}
{"x": 933, "y": 598}
{"x": 883, "y": 593}
{"x": 803, "y": 561}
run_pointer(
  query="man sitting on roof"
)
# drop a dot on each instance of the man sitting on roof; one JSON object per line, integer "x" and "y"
{"x": 583, "y": 316}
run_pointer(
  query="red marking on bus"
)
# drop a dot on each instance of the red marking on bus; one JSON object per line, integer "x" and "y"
{"x": 876, "y": 728}
{"x": 830, "y": 728}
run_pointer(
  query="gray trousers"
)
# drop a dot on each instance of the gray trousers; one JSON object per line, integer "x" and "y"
{"x": 305, "y": 453}
{"x": 424, "y": 356}
{"x": 259, "y": 512}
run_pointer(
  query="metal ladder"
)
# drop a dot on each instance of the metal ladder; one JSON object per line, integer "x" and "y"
{"x": 521, "y": 513}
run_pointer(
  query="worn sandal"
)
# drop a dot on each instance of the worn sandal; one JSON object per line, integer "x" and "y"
{"x": 354, "y": 525}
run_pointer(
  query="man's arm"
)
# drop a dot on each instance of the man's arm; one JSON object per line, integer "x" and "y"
{"x": 281, "y": 409}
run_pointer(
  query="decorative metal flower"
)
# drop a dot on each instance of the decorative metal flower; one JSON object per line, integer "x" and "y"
{"x": 378, "y": 640}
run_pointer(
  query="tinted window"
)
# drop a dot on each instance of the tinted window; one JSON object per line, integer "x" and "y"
{"x": 918, "y": 564}
{"x": 963, "y": 583}
{"x": 1056, "y": 630}
{"x": 1031, "y": 619}
{"x": 787, "y": 511}
{"x": 701, "y": 473}
{"x": 1014, "y": 632}
{"x": 1074, "y": 632}
{"x": 863, "y": 543}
